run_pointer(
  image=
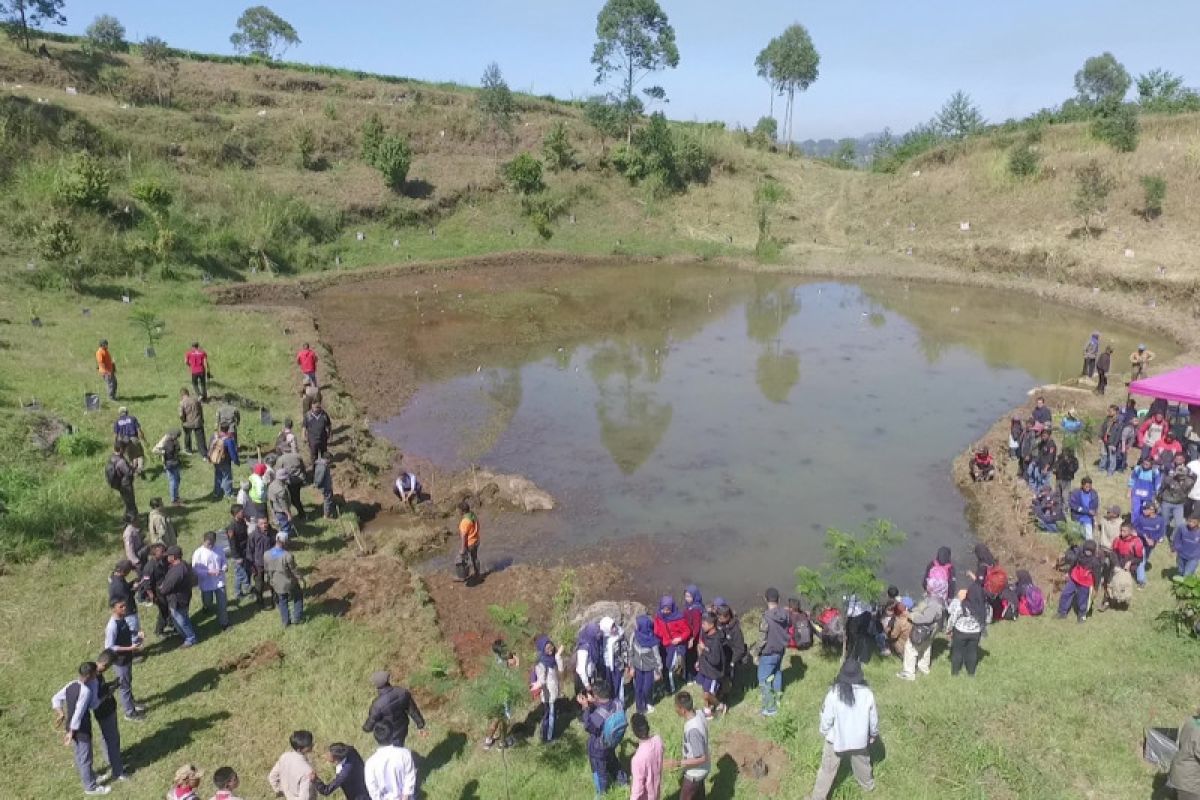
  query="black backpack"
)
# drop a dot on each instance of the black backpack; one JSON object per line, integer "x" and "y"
{"x": 110, "y": 473}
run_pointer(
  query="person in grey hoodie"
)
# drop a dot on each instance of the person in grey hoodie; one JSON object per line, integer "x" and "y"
{"x": 771, "y": 649}
{"x": 926, "y": 616}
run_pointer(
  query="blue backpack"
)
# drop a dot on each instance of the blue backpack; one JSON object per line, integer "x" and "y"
{"x": 613, "y": 732}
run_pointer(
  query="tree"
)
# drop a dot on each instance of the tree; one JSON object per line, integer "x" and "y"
{"x": 959, "y": 117}
{"x": 792, "y": 64}
{"x": 1092, "y": 188}
{"x": 165, "y": 67}
{"x": 1155, "y": 187}
{"x": 82, "y": 182}
{"x": 557, "y": 148}
{"x": 106, "y": 34}
{"x": 633, "y": 39}
{"x": 261, "y": 32}
{"x": 26, "y": 14}
{"x": 1102, "y": 77}
{"x": 372, "y": 135}
{"x": 392, "y": 158}
{"x": 765, "y": 132}
{"x": 496, "y": 103}
{"x": 846, "y": 155}
{"x": 524, "y": 174}
{"x": 605, "y": 117}
{"x": 767, "y": 196}
{"x": 854, "y": 564}
{"x": 1117, "y": 123}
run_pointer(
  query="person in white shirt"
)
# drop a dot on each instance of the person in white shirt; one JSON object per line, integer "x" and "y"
{"x": 72, "y": 708}
{"x": 850, "y": 725}
{"x": 208, "y": 562}
{"x": 390, "y": 772}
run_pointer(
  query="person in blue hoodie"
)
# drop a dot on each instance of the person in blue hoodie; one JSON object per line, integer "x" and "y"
{"x": 1144, "y": 482}
{"x": 596, "y": 708}
{"x": 1084, "y": 503}
{"x": 1185, "y": 543}
{"x": 1151, "y": 528}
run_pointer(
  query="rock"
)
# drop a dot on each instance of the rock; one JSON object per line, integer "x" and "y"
{"x": 518, "y": 491}
{"x": 758, "y": 769}
{"x": 45, "y": 430}
{"x": 624, "y": 612}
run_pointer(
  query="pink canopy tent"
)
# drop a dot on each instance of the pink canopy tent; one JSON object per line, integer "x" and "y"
{"x": 1179, "y": 386}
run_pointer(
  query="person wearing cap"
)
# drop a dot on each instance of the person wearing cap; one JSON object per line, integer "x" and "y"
{"x": 773, "y": 641}
{"x": 279, "y": 506}
{"x": 124, "y": 644}
{"x": 107, "y": 369}
{"x": 1108, "y": 528}
{"x": 1082, "y": 579}
{"x": 1103, "y": 367}
{"x": 281, "y": 572}
{"x": 1139, "y": 361}
{"x": 176, "y": 590}
{"x": 393, "y": 706}
{"x": 168, "y": 449}
{"x": 208, "y": 562}
{"x": 1041, "y": 412}
{"x": 1091, "y": 352}
{"x": 191, "y": 417}
{"x": 197, "y": 362}
{"x": 850, "y": 725}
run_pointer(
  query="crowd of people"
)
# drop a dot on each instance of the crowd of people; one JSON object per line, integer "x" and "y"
{"x": 616, "y": 665}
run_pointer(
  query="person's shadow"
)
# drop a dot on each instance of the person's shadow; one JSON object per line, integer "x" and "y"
{"x": 202, "y": 681}
{"x": 470, "y": 791}
{"x": 449, "y": 748}
{"x": 724, "y": 783}
{"x": 173, "y": 738}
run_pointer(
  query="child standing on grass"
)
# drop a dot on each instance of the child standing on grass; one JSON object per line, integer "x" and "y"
{"x": 646, "y": 662}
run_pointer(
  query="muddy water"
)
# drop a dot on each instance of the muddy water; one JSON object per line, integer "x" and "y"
{"x": 698, "y": 424}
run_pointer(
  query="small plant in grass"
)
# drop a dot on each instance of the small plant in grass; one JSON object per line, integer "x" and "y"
{"x": 82, "y": 182}
{"x": 524, "y": 174}
{"x": 80, "y": 444}
{"x": 512, "y": 620}
{"x": 563, "y": 629}
{"x": 557, "y": 148}
{"x": 1185, "y": 616}
{"x": 767, "y": 196}
{"x": 1024, "y": 160}
{"x": 1155, "y": 187}
{"x": 855, "y": 561}
{"x": 438, "y": 675}
{"x": 1092, "y": 188}
{"x": 306, "y": 148}
{"x": 58, "y": 245}
{"x": 393, "y": 157}
{"x": 372, "y": 135}
{"x": 330, "y": 110}
{"x": 149, "y": 323}
{"x": 497, "y": 690}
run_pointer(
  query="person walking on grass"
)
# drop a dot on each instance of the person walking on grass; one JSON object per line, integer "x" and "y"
{"x": 107, "y": 369}
{"x": 850, "y": 725}
{"x": 133, "y": 541}
{"x": 284, "y": 577}
{"x": 969, "y": 613}
{"x": 323, "y": 481}
{"x": 208, "y": 562}
{"x": 696, "y": 759}
{"x": 1091, "y": 353}
{"x": 197, "y": 362}
{"x": 223, "y": 455}
{"x": 279, "y": 506}
{"x": 393, "y": 706}
{"x": 104, "y": 710}
{"x": 545, "y": 688}
{"x": 925, "y": 618}
{"x": 307, "y": 359}
{"x": 168, "y": 449}
{"x": 773, "y": 641}
{"x": 72, "y": 706}
{"x": 191, "y": 417}
{"x": 390, "y": 772}
{"x": 229, "y": 416}
{"x": 349, "y": 773}
{"x": 468, "y": 535}
{"x": 119, "y": 474}
{"x": 292, "y": 776}
{"x": 645, "y": 770}
{"x": 159, "y": 527}
{"x": 152, "y": 575}
{"x": 176, "y": 590}
{"x": 1103, "y": 367}
{"x": 124, "y": 644}
{"x": 226, "y": 782}
{"x": 237, "y": 533}
{"x": 596, "y": 709}
{"x": 317, "y": 430}
{"x": 262, "y": 537}
{"x": 128, "y": 432}
{"x": 290, "y": 467}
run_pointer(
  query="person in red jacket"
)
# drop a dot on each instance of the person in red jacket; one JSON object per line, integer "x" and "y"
{"x": 307, "y": 359}
{"x": 1127, "y": 547}
{"x": 693, "y": 612}
{"x": 197, "y": 361}
{"x": 672, "y": 629}
{"x": 1083, "y": 578}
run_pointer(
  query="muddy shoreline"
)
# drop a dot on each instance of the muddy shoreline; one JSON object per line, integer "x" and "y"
{"x": 996, "y": 511}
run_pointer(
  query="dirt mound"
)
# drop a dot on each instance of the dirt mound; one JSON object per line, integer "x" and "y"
{"x": 262, "y": 655}
{"x": 462, "y": 609}
{"x": 372, "y": 588}
{"x": 761, "y": 761}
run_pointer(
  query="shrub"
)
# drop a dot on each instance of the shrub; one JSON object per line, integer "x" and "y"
{"x": 1185, "y": 617}
{"x": 393, "y": 157}
{"x": 1092, "y": 187}
{"x": 1117, "y": 124}
{"x": 78, "y": 445}
{"x": 82, "y": 182}
{"x": 765, "y": 132}
{"x": 524, "y": 174}
{"x": 1023, "y": 160}
{"x": 152, "y": 194}
{"x": 693, "y": 160}
{"x": 372, "y": 135}
{"x": 854, "y": 564}
{"x": 306, "y": 147}
{"x": 106, "y": 34}
{"x": 56, "y": 240}
{"x": 1155, "y": 187}
{"x": 557, "y": 148}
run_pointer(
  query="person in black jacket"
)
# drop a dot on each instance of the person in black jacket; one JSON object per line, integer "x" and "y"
{"x": 261, "y": 539}
{"x": 393, "y": 706}
{"x": 176, "y": 590}
{"x": 736, "y": 653}
{"x": 711, "y": 665}
{"x": 153, "y": 572}
{"x": 349, "y": 773}
{"x": 237, "y": 533}
{"x": 317, "y": 428}
{"x": 126, "y": 591}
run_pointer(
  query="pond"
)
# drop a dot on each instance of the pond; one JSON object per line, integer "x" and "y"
{"x": 698, "y": 424}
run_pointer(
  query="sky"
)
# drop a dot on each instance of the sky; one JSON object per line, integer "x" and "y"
{"x": 883, "y": 64}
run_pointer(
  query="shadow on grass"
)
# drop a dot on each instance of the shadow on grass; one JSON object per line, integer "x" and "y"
{"x": 449, "y": 748}
{"x": 418, "y": 189}
{"x": 794, "y": 671}
{"x": 203, "y": 681}
{"x": 470, "y": 791}
{"x": 175, "y": 737}
{"x": 724, "y": 783}
{"x": 109, "y": 292}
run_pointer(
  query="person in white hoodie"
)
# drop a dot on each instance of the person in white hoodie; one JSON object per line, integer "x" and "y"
{"x": 616, "y": 657}
{"x": 850, "y": 725}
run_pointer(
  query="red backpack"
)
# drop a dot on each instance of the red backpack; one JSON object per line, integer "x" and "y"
{"x": 995, "y": 581}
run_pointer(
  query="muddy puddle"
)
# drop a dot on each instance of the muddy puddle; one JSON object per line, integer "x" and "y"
{"x": 696, "y": 423}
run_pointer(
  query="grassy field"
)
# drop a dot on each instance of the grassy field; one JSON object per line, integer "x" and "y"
{"x": 1057, "y": 710}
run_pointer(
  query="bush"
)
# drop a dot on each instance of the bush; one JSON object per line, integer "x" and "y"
{"x": 765, "y": 132}
{"x": 78, "y": 445}
{"x": 306, "y": 147}
{"x": 524, "y": 174}
{"x": 372, "y": 135}
{"x": 152, "y": 194}
{"x": 1023, "y": 160}
{"x": 693, "y": 160}
{"x": 854, "y": 564}
{"x": 82, "y": 182}
{"x": 393, "y": 157}
{"x": 1092, "y": 188}
{"x": 1155, "y": 187}
{"x": 557, "y": 149}
{"x": 106, "y": 34}
{"x": 1117, "y": 124}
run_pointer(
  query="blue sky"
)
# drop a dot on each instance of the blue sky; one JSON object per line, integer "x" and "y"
{"x": 882, "y": 62}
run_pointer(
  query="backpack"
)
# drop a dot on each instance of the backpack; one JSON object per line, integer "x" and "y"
{"x": 615, "y": 724}
{"x": 110, "y": 473}
{"x": 995, "y": 581}
{"x": 1033, "y": 602}
{"x": 1120, "y": 587}
{"x": 800, "y": 632}
{"x": 939, "y": 572}
{"x": 217, "y": 454}
{"x": 922, "y": 633}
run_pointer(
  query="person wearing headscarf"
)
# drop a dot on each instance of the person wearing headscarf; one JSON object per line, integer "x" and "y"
{"x": 545, "y": 687}
{"x": 850, "y": 725}
{"x": 693, "y": 612}
{"x": 985, "y": 559}
{"x": 615, "y": 657}
{"x": 1030, "y": 602}
{"x": 1082, "y": 580}
{"x": 1091, "y": 351}
{"x": 860, "y": 637}
{"x": 589, "y": 657}
{"x": 672, "y": 628}
{"x": 969, "y": 613}
{"x": 942, "y": 567}
{"x": 646, "y": 661}
{"x": 736, "y": 652}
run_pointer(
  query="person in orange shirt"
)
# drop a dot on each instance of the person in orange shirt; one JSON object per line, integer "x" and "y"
{"x": 468, "y": 532}
{"x": 107, "y": 369}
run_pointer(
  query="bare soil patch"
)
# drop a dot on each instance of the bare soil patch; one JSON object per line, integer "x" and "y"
{"x": 757, "y": 760}
{"x": 262, "y": 655}
{"x": 375, "y": 588}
